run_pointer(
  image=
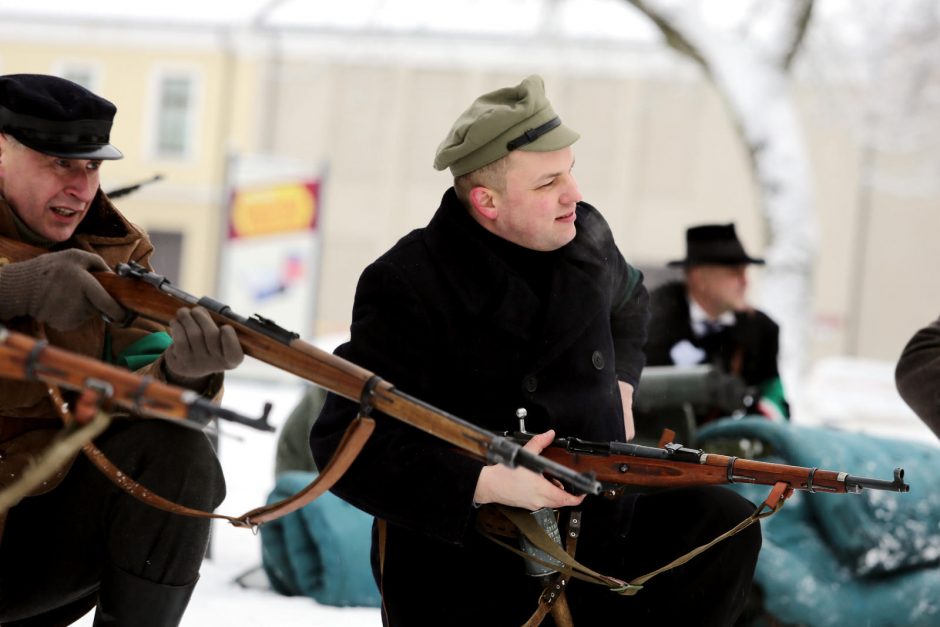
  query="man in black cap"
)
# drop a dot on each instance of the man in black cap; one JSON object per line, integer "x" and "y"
{"x": 515, "y": 297}
{"x": 706, "y": 319}
{"x": 79, "y": 541}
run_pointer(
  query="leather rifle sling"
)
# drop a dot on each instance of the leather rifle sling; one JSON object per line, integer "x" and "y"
{"x": 352, "y": 442}
{"x": 553, "y": 599}
{"x": 535, "y": 534}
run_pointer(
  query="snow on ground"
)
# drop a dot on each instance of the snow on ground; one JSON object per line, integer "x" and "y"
{"x": 248, "y": 461}
{"x": 848, "y": 394}
{"x": 854, "y": 394}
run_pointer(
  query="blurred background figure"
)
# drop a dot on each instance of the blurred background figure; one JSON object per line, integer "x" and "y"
{"x": 707, "y": 319}
{"x": 918, "y": 375}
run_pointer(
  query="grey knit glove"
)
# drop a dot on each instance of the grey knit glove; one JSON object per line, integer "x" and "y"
{"x": 57, "y": 289}
{"x": 200, "y": 347}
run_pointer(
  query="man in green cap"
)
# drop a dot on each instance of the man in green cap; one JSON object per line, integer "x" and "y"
{"x": 515, "y": 297}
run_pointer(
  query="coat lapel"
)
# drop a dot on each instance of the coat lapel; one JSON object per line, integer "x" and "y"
{"x": 574, "y": 291}
{"x": 487, "y": 289}
{"x": 479, "y": 278}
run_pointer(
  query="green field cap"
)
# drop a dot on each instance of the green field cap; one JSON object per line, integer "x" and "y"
{"x": 511, "y": 118}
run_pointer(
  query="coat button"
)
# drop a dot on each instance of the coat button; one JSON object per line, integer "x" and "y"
{"x": 598, "y": 360}
{"x": 531, "y": 383}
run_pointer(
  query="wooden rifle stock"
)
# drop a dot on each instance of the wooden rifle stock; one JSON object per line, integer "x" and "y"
{"x": 152, "y": 296}
{"x": 617, "y": 464}
{"x": 28, "y": 359}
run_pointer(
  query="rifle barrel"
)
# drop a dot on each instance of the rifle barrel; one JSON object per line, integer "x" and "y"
{"x": 619, "y": 464}
{"x": 266, "y": 341}
{"x": 895, "y": 485}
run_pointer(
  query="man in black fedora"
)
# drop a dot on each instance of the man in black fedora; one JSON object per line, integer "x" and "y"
{"x": 706, "y": 319}
{"x": 78, "y": 541}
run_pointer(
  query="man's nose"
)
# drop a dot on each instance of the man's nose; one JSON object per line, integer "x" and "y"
{"x": 571, "y": 193}
{"x": 83, "y": 184}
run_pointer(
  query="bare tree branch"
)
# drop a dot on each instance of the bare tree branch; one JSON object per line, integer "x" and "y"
{"x": 674, "y": 38}
{"x": 798, "y": 16}
{"x": 802, "y": 16}
{"x": 750, "y": 73}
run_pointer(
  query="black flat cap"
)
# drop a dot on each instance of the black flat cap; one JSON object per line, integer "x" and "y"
{"x": 56, "y": 117}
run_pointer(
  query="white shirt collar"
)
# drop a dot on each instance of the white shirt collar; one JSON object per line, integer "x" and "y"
{"x": 699, "y": 319}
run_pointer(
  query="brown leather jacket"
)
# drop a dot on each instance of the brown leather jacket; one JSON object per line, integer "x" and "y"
{"x": 28, "y": 420}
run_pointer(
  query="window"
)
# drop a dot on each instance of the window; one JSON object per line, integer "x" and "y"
{"x": 167, "y": 253}
{"x": 83, "y": 75}
{"x": 175, "y": 107}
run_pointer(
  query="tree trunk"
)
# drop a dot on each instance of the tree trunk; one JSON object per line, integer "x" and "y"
{"x": 752, "y": 78}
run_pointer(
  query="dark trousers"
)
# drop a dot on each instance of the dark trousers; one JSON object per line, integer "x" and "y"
{"x": 709, "y": 590}
{"x": 56, "y": 546}
{"x": 483, "y": 584}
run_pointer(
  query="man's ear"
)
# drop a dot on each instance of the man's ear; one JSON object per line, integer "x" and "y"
{"x": 483, "y": 203}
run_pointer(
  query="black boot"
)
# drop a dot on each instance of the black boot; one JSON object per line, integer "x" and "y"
{"x": 60, "y": 616}
{"x": 126, "y": 600}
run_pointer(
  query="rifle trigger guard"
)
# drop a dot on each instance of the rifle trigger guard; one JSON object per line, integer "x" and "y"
{"x": 368, "y": 392}
{"x": 127, "y": 320}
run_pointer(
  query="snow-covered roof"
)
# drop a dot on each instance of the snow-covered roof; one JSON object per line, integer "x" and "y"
{"x": 604, "y": 19}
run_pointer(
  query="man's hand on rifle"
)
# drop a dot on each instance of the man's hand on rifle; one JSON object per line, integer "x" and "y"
{"x": 200, "y": 348}
{"x": 626, "y": 397}
{"x": 57, "y": 289}
{"x": 521, "y": 487}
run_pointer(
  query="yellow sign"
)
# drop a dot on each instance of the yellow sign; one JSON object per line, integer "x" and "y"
{"x": 281, "y": 208}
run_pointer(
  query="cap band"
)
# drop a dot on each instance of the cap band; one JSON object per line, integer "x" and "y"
{"x": 78, "y": 131}
{"x": 533, "y": 133}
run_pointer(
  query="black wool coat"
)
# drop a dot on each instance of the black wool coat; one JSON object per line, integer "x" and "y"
{"x": 443, "y": 318}
{"x": 753, "y": 333}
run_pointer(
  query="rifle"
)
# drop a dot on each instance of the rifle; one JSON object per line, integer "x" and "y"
{"x": 28, "y": 359}
{"x": 664, "y": 388}
{"x": 129, "y": 189}
{"x": 619, "y": 464}
{"x": 152, "y": 296}
{"x": 25, "y": 358}
{"x": 671, "y": 396}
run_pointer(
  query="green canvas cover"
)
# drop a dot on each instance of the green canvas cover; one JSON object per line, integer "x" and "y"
{"x": 321, "y": 550}
{"x": 845, "y": 559}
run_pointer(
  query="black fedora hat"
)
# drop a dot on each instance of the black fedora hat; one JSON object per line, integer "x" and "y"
{"x": 56, "y": 117}
{"x": 714, "y": 244}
